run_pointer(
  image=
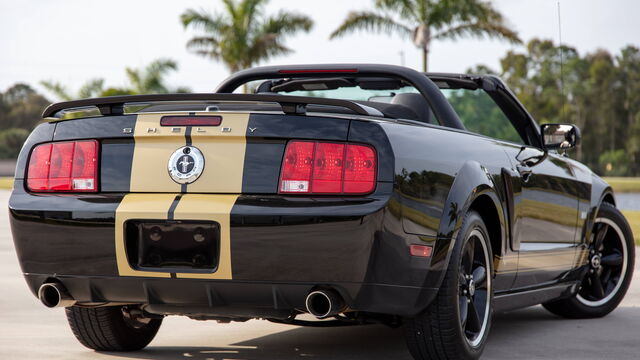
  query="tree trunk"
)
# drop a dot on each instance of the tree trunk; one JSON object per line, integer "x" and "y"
{"x": 425, "y": 55}
{"x": 422, "y": 39}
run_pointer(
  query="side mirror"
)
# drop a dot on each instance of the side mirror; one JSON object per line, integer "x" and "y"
{"x": 559, "y": 136}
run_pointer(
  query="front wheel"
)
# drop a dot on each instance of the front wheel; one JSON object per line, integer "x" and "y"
{"x": 456, "y": 324}
{"x": 610, "y": 267}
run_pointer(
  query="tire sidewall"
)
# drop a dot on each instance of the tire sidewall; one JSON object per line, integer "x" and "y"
{"x": 472, "y": 222}
{"x": 612, "y": 213}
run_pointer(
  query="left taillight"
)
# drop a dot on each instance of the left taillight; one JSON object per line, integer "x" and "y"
{"x": 70, "y": 166}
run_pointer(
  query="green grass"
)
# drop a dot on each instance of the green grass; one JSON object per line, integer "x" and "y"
{"x": 6, "y": 182}
{"x": 624, "y": 184}
{"x": 634, "y": 220}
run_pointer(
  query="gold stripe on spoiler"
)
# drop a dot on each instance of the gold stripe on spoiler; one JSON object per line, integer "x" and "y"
{"x": 223, "y": 148}
{"x": 154, "y": 144}
{"x": 211, "y": 197}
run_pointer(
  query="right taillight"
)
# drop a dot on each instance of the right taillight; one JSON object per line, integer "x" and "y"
{"x": 319, "y": 167}
{"x": 70, "y": 166}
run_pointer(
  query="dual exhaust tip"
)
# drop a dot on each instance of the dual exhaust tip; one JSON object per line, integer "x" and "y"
{"x": 324, "y": 303}
{"x": 54, "y": 295}
{"x": 319, "y": 303}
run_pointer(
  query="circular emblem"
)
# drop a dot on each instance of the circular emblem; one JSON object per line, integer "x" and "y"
{"x": 186, "y": 165}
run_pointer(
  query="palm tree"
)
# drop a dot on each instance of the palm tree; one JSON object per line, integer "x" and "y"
{"x": 242, "y": 35}
{"x": 91, "y": 88}
{"x": 150, "y": 80}
{"x": 424, "y": 21}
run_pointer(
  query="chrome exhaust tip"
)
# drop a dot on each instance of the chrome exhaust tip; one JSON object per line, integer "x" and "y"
{"x": 324, "y": 303}
{"x": 54, "y": 295}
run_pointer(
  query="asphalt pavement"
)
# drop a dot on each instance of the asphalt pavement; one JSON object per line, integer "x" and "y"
{"x": 30, "y": 331}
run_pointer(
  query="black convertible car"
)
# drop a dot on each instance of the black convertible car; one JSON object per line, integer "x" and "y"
{"x": 353, "y": 193}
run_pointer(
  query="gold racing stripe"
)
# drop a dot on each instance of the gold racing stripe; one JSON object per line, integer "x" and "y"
{"x": 215, "y": 208}
{"x": 223, "y": 148}
{"x": 154, "y": 144}
{"x": 139, "y": 206}
{"x": 190, "y": 207}
{"x": 224, "y": 155}
{"x": 152, "y": 191}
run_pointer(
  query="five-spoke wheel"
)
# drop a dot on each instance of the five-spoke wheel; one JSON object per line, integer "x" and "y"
{"x": 456, "y": 324}
{"x": 607, "y": 264}
{"x": 474, "y": 285}
{"x": 608, "y": 270}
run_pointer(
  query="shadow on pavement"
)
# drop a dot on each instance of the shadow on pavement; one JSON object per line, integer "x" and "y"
{"x": 357, "y": 342}
{"x": 524, "y": 334}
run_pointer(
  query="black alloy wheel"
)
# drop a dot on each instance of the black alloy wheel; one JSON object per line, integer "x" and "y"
{"x": 456, "y": 324}
{"x": 474, "y": 288}
{"x": 607, "y": 264}
{"x": 609, "y": 268}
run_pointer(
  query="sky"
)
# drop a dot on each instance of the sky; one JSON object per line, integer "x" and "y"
{"x": 71, "y": 41}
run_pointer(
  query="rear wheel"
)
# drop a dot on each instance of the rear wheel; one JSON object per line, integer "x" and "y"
{"x": 456, "y": 324}
{"x": 111, "y": 328}
{"x": 611, "y": 258}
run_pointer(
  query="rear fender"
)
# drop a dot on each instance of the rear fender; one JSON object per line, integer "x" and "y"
{"x": 472, "y": 181}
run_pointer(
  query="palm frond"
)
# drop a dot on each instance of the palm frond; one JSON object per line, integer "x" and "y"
{"x": 250, "y": 11}
{"x": 204, "y": 21}
{"x": 263, "y": 48}
{"x": 406, "y": 9}
{"x": 443, "y": 14}
{"x": 286, "y": 23}
{"x": 152, "y": 77}
{"x": 242, "y": 35}
{"x": 134, "y": 77}
{"x": 230, "y": 7}
{"x": 205, "y": 46}
{"x": 161, "y": 67}
{"x": 369, "y": 21}
{"x": 267, "y": 40}
{"x": 57, "y": 89}
{"x": 479, "y": 30}
{"x": 91, "y": 88}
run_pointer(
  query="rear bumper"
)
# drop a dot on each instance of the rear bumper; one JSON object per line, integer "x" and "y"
{"x": 229, "y": 298}
{"x": 279, "y": 249}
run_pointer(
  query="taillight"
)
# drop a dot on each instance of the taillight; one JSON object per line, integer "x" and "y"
{"x": 317, "y": 167}
{"x": 70, "y": 166}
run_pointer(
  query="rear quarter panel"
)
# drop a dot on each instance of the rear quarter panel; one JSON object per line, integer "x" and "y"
{"x": 438, "y": 173}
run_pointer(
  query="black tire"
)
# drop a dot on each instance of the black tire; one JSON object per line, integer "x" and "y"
{"x": 107, "y": 329}
{"x": 439, "y": 332}
{"x": 586, "y": 303}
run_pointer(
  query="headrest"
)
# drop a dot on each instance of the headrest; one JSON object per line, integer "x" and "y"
{"x": 415, "y": 102}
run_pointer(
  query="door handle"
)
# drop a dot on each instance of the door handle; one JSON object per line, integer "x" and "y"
{"x": 525, "y": 172}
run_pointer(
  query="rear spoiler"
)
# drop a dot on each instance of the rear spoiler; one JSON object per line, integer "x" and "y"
{"x": 296, "y": 105}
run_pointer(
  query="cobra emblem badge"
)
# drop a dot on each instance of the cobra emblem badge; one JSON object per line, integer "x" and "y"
{"x": 186, "y": 165}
